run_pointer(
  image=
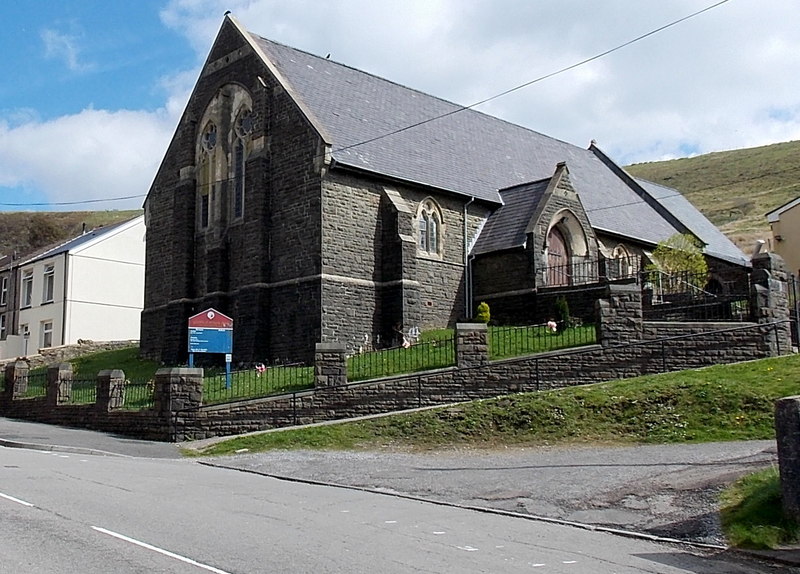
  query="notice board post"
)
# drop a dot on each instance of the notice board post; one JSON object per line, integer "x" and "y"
{"x": 211, "y": 332}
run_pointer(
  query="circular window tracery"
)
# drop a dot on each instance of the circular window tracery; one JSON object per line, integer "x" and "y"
{"x": 245, "y": 123}
{"x": 209, "y": 138}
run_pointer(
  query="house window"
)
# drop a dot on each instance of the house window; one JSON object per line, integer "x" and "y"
{"x": 429, "y": 232}
{"x": 49, "y": 283}
{"x": 3, "y": 326}
{"x": 47, "y": 334}
{"x": 4, "y": 291}
{"x": 621, "y": 266}
{"x": 27, "y": 288}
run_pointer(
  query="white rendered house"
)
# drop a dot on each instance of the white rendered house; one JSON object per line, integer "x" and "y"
{"x": 90, "y": 287}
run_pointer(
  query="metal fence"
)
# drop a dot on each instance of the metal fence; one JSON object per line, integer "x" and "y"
{"x": 515, "y": 341}
{"x": 259, "y": 381}
{"x": 37, "y": 385}
{"x": 139, "y": 394}
{"x": 84, "y": 391}
{"x": 690, "y": 297}
{"x": 408, "y": 358}
{"x": 588, "y": 271}
{"x": 794, "y": 308}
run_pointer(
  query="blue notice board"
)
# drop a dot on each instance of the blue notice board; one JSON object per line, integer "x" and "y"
{"x": 210, "y": 340}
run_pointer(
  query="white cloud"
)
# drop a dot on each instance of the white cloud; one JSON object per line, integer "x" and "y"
{"x": 65, "y": 47}
{"x": 722, "y": 80}
{"x": 94, "y": 154}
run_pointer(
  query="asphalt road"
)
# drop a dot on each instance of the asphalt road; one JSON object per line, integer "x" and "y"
{"x": 67, "y": 512}
{"x": 664, "y": 490}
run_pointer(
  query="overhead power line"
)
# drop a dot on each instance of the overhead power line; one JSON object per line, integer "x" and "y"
{"x": 448, "y": 114}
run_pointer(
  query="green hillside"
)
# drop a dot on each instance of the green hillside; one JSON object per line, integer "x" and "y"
{"x": 25, "y": 231}
{"x": 734, "y": 189}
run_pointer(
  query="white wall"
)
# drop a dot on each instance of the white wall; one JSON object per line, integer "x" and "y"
{"x": 105, "y": 295}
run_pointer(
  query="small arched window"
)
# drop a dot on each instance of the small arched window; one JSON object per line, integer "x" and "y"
{"x": 429, "y": 233}
{"x": 622, "y": 264}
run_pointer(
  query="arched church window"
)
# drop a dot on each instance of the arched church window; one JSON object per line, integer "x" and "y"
{"x": 207, "y": 173}
{"x": 622, "y": 263}
{"x": 429, "y": 221}
{"x": 243, "y": 127}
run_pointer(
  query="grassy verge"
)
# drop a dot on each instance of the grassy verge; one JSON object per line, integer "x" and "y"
{"x": 726, "y": 402}
{"x": 751, "y": 512}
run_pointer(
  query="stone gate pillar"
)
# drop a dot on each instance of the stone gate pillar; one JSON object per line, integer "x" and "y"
{"x": 787, "y": 431}
{"x": 110, "y": 390}
{"x": 16, "y": 380}
{"x": 619, "y": 315}
{"x": 330, "y": 365}
{"x": 59, "y": 384}
{"x": 472, "y": 345}
{"x": 770, "y": 301}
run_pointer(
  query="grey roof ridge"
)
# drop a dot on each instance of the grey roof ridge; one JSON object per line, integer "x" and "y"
{"x": 639, "y": 190}
{"x": 312, "y": 118}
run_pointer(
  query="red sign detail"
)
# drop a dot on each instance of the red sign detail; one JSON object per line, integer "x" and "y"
{"x": 211, "y": 319}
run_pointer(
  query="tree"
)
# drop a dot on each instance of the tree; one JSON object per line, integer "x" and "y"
{"x": 681, "y": 259}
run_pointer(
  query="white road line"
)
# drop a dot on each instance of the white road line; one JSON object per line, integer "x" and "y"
{"x": 160, "y": 550}
{"x": 17, "y": 500}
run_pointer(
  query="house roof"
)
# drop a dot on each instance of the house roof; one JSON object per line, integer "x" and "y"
{"x": 776, "y": 213}
{"x": 506, "y": 227}
{"x": 367, "y": 119}
{"x": 76, "y": 242}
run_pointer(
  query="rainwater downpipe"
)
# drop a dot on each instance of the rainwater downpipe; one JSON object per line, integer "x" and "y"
{"x": 64, "y": 301}
{"x": 467, "y": 272}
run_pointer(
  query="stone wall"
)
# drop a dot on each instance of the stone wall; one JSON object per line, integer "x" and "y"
{"x": 63, "y": 353}
{"x": 628, "y": 347}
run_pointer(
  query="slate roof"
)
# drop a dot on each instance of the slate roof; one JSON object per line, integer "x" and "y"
{"x": 505, "y": 229}
{"x": 71, "y": 244}
{"x": 464, "y": 152}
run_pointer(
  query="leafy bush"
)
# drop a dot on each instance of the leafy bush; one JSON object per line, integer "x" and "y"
{"x": 562, "y": 311}
{"x": 482, "y": 315}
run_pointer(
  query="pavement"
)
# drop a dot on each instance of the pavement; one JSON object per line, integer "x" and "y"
{"x": 666, "y": 492}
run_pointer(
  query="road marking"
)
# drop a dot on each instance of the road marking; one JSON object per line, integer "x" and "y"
{"x": 17, "y": 500}
{"x": 160, "y": 550}
{"x": 467, "y": 548}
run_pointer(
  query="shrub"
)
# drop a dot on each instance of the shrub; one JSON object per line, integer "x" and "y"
{"x": 482, "y": 314}
{"x": 562, "y": 311}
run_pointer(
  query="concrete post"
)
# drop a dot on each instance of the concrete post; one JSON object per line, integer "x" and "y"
{"x": 59, "y": 384}
{"x": 16, "y": 378}
{"x": 330, "y": 365}
{"x": 787, "y": 430}
{"x": 472, "y": 345}
{"x": 110, "y": 390}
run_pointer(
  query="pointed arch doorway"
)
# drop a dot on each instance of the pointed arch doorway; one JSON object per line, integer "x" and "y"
{"x": 558, "y": 258}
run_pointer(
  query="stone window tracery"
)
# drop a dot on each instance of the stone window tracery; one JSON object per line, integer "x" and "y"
{"x": 224, "y": 142}
{"x": 429, "y": 228}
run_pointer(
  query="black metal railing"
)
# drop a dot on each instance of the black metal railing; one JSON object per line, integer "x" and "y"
{"x": 794, "y": 308}
{"x": 139, "y": 394}
{"x": 515, "y": 341}
{"x": 690, "y": 297}
{"x": 435, "y": 353}
{"x": 37, "y": 385}
{"x": 84, "y": 391}
{"x": 259, "y": 381}
{"x": 588, "y": 271}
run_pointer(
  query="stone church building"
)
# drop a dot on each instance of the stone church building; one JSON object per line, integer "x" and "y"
{"x": 313, "y": 202}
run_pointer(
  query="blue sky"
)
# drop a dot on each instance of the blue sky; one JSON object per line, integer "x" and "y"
{"x": 94, "y": 89}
